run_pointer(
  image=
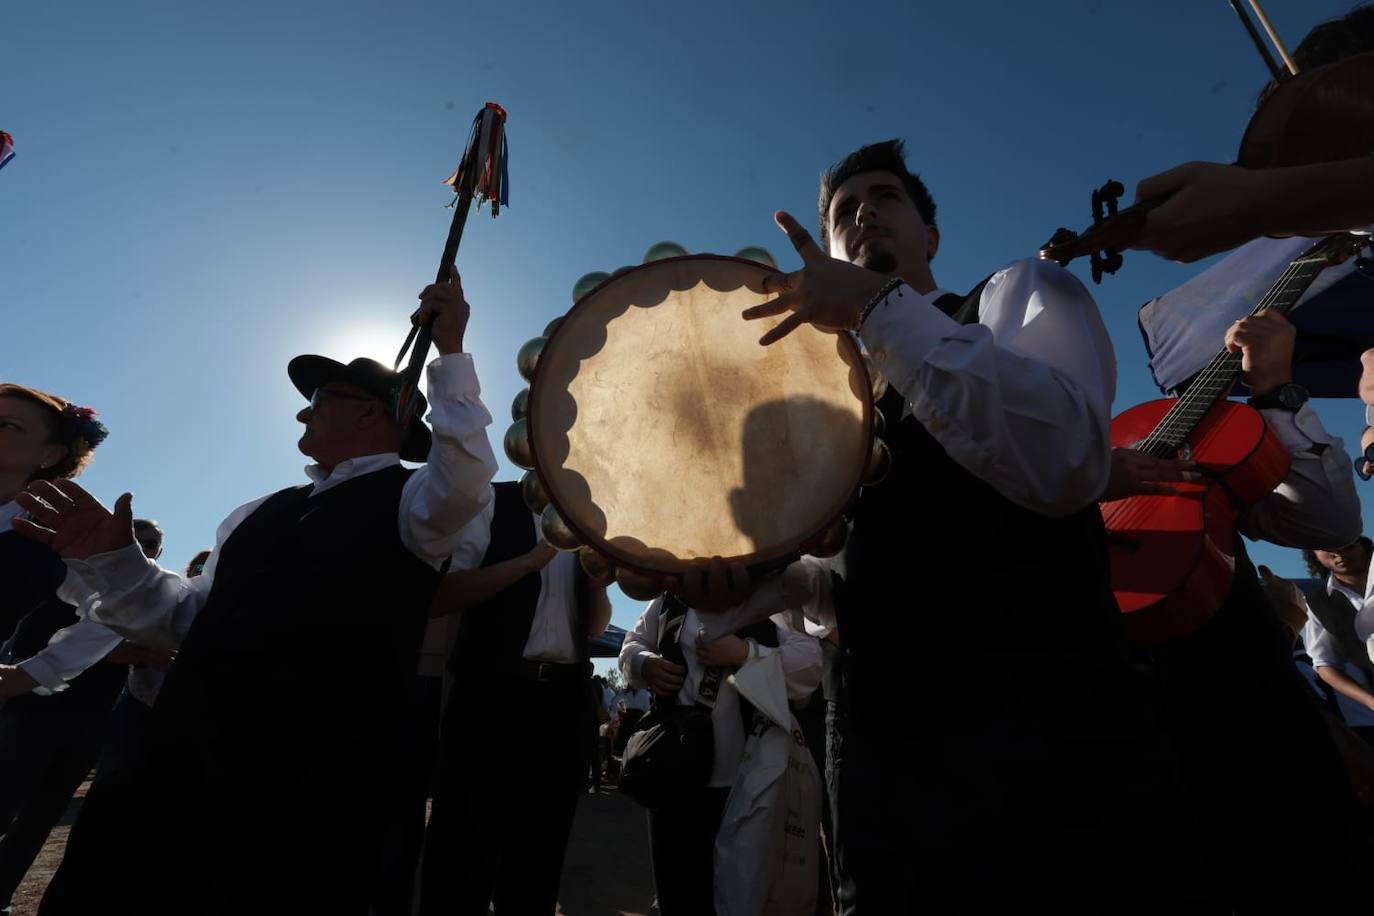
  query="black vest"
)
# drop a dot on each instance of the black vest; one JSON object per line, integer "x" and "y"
{"x": 492, "y": 635}
{"x": 308, "y": 640}
{"x": 29, "y": 575}
{"x": 1337, "y": 617}
{"x": 942, "y": 575}
{"x": 93, "y": 692}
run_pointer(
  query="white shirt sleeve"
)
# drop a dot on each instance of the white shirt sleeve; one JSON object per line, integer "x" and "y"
{"x": 70, "y": 651}
{"x": 1022, "y": 399}
{"x": 454, "y": 485}
{"x": 146, "y": 603}
{"x": 1316, "y": 505}
{"x": 1321, "y": 645}
{"x": 641, "y": 643}
{"x": 801, "y": 659}
{"x": 802, "y": 589}
{"x": 471, "y": 544}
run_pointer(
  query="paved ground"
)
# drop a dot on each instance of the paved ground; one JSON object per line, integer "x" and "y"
{"x": 606, "y": 872}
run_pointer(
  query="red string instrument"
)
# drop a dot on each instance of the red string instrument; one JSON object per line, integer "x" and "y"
{"x": 1172, "y": 556}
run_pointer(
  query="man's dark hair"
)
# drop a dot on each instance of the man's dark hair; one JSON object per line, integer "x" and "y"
{"x": 1317, "y": 571}
{"x": 888, "y": 156}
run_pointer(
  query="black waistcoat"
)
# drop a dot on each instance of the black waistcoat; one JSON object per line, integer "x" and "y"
{"x": 492, "y": 635}
{"x": 29, "y": 575}
{"x": 1337, "y": 616}
{"x": 93, "y": 692}
{"x": 308, "y": 640}
{"x": 952, "y": 595}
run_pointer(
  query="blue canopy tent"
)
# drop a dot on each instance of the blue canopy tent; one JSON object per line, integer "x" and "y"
{"x": 608, "y": 644}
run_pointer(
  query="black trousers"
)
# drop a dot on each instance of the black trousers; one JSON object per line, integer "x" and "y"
{"x": 499, "y": 828}
{"x": 47, "y": 746}
{"x": 1266, "y": 778}
{"x": 396, "y": 880}
{"x": 1063, "y": 800}
{"x": 682, "y": 841}
{"x": 98, "y": 856}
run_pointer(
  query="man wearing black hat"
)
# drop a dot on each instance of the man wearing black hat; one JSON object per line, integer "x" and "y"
{"x": 275, "y": 733}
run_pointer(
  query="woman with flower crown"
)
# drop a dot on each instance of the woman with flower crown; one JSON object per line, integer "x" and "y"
{"x": 48, "y": 742}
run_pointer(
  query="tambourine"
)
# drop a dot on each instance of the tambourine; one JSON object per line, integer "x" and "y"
{"x": 658, "y": 431}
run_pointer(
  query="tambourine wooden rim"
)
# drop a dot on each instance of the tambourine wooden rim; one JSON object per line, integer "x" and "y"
{"x": 758, "y": 559}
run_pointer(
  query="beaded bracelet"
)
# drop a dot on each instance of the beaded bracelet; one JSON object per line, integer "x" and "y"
{"x": 883, "y": 292}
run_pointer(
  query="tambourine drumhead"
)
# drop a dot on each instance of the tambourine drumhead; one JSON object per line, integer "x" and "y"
{"x": 663, "y": 431}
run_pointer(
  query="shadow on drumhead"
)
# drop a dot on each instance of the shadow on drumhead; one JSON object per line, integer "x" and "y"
{"x": 802, "y": 463}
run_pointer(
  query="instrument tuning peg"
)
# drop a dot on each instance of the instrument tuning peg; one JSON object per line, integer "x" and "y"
{"x": 1105, "y": 200}
{"x": 1104, "y": 262}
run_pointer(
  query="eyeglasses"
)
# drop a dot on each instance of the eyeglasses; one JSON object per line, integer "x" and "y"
{"x": 1364, "y": 464}
{"x": 330, "y": 392}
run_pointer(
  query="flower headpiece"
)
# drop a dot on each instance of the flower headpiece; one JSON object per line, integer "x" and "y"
{"x": 83, "y": 422}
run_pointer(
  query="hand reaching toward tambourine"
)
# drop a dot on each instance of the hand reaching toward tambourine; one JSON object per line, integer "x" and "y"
{"x": 827, "y": 292}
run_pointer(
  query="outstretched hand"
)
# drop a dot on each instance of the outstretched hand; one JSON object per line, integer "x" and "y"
{"x": 827, "y": 292}
{"x": 73, "y": 522}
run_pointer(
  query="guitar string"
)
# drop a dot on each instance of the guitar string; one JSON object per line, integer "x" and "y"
{"x": 1206, "y": 387}
{"x": 1174, "y": 422}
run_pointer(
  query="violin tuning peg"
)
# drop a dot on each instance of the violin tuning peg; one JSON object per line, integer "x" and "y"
{"x": 1113, "y": 189}
{"x": 1095, "y": 261}
{"x": 1112, "y": 262}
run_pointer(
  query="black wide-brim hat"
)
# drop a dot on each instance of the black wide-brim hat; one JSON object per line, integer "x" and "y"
{"x": 310, "y": 372}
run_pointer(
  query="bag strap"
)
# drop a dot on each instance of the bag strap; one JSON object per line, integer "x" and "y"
{"x": 672, "y": 614}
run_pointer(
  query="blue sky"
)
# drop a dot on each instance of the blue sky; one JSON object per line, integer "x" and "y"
{"x": 204, "y": 190}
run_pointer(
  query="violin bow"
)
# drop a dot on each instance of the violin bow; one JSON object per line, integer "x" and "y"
{"x": 482, "y": 174}
{"x": 1288, "y": 63}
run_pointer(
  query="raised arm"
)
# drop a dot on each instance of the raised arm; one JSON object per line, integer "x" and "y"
{"x": 455, "y": 483}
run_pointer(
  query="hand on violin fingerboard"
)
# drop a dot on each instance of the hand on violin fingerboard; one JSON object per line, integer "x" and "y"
{"x": 1209, "y": 207}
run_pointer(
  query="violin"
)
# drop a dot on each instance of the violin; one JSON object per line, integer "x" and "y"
{"x": 1324, "y": 114}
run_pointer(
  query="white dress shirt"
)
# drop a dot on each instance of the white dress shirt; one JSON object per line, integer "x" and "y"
{"x": 1324, "y": 652}
{"x": 551, "y": 637}
{"x": 1316, "y": 505}
{"x": 155, "y": 607}
{"x": 801, "y": 665}
{"x": 1021, "y": 399}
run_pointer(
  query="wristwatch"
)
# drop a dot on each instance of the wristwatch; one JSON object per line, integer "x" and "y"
{"x": 1287, "y": 397}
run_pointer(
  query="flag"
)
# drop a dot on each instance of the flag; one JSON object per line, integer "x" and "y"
{"x": 6, "y": 148}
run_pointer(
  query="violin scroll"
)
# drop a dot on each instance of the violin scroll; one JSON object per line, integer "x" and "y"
{"x": 1111, "y": 232}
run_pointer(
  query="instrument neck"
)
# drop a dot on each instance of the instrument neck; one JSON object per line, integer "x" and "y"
{"x": 1218, "y": 377}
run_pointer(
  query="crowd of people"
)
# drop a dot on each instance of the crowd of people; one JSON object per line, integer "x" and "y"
{"x": 281, "y": 727}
